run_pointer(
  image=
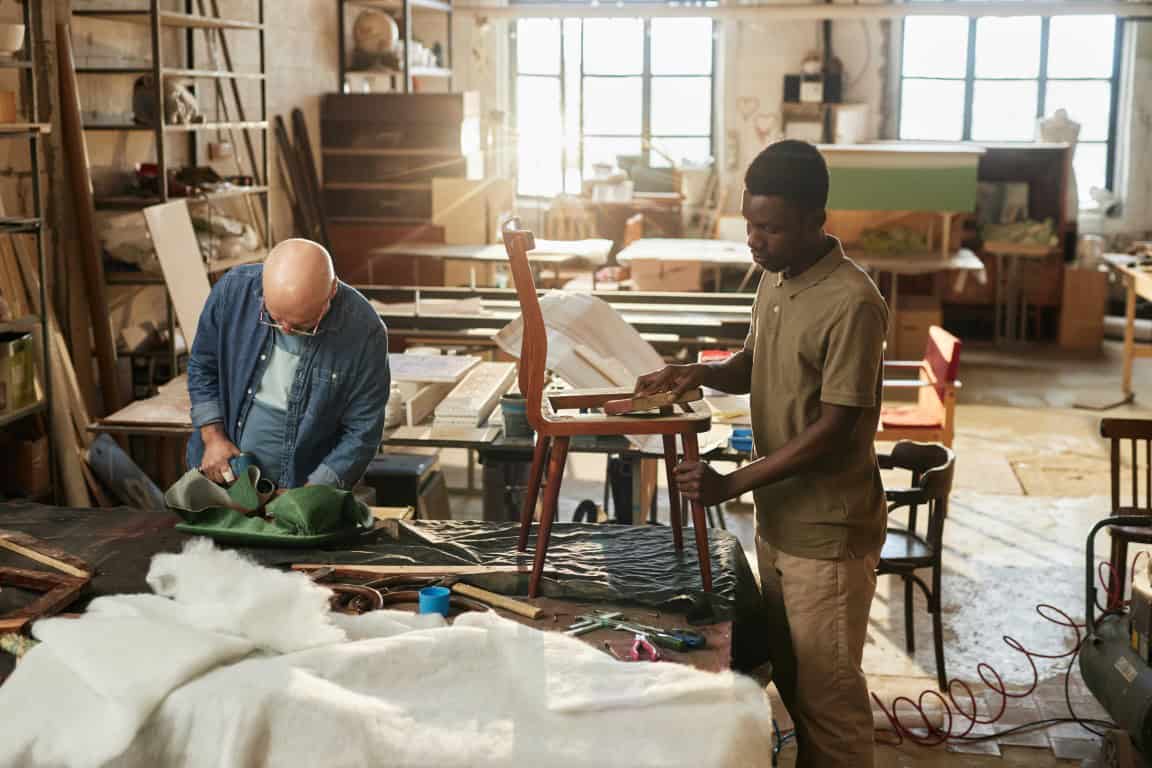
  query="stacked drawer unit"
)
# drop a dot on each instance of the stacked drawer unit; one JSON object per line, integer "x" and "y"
{"x": 380, "y": 154}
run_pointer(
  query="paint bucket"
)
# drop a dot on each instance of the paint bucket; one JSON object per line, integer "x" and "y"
{"x": 514, "y": 409}
{"x": 741, "y": 439}
{"x": 435, "y": 600}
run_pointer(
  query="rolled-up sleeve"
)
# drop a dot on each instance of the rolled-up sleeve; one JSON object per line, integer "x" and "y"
{"x": 204, "y": 361}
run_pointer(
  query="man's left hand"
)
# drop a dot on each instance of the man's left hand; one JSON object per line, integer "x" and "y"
{"x": 699, "y": 482}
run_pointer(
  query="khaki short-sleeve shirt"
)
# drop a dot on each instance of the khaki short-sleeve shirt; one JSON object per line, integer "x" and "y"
{"x": 819, "y": 338}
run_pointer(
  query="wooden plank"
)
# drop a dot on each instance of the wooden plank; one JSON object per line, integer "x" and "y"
{"x": 410, "y": 570}
{"x": 91, "y": 258}
{"x": 649, "y": 402}
{"x": 475, "y": 397}
{"x": 44, "y": 553}
{"x": 424, "y": 402}
{"x": 430, "y": 369}
{"x": 176, "y": 246}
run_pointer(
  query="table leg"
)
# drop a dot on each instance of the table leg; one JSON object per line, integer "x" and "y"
{"x": 1129, "y": 334}
{"x": 998, "y": 306}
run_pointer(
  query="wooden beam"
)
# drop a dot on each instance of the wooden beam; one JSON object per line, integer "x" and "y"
{"x": 44, "y": 553}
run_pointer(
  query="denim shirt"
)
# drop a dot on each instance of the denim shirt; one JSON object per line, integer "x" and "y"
{"x": 335, "y": 415}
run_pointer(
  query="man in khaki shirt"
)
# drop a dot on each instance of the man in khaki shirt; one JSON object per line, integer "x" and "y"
{"x": 812, "y": 363}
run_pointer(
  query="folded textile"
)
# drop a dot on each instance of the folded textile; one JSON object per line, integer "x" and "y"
{"x": 249, "y": 511}
{"x": 242, "y": 665}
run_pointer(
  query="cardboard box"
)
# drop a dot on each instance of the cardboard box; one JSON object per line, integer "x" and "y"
{"x": 916, "y": 315}
{"x": 673, "y": 276}
{"x": 1082, "y": 309}
{"x": 26, "y": 473}
{"x": 17, "y": 372}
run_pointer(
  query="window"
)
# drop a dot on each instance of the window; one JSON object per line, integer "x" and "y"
{"x": 990, "y": 78}
{"x": 589, "y": 90}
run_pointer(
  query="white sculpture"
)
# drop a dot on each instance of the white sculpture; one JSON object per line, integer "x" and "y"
{"x": 1063, "y": 129}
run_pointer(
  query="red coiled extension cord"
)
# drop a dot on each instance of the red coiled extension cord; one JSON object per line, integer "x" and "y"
{"x": 953, "y": 727}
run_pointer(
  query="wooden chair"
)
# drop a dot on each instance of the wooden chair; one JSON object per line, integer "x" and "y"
{"x": 1135, "y": 432}
{"x": 554, "y": 431}
{"x": 906, "y": 550}
{"x": 932, "y": 419}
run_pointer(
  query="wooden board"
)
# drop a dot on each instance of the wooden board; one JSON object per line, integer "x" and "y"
{"x": 44, "y": 553}
{"x": 430, "y": 369}
{"x": 649, "y": 402}
{"x": 469, "y": 209}
{"x": 423, "y": 402}
{"x": 178, "y": 250}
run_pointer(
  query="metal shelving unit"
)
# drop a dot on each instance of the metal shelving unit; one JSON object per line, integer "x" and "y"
{"x": 403, "y": 11}
{"x": 203, "y": 17}
{"x": 31, "y": 226}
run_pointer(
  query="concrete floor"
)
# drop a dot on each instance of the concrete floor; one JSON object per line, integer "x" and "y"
{"x": 1032, "y": 476}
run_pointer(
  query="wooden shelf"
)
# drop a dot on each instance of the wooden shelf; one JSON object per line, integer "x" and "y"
{"x": 222, "y": 74}
{"x": 15, "y": 226}
{"x": 1019, "y": 249}
{"x": 8, "y": 418}
{"x": 29, "y": 323}
{"x": 379, "y": 185}
{"x": 115, "y": 124}
{"x": 397, "y": 5}
{"x": 415, "y": 72}
{"x": 23, "y": 129}
{"x": 133, "y": 202}
{"x": 113, "y": 70}
{"x": 168, "y": 19}
{"x": 250, "y": 125}
{"x": 9, "y": 62}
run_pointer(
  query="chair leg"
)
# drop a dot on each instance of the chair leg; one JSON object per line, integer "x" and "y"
{"x": 532, "y": 492}
{"x": 909, "y": 626}
{"x": 552, "y": 496}
{"x": 935, "y": 605}
{"x": 699, "y": 524}
{"x": 1119, "y": 578}
{"x": 673, "y": 493}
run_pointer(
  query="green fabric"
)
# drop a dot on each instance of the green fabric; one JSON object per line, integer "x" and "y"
{"x": 307, "y": 516}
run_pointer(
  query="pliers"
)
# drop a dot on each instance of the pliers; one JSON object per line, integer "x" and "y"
{"x": 643, "y": 649}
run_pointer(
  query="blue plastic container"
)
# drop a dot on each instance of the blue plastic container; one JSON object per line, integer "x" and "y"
{"x": 435, "y": 600}
{"x": 741, "y": 439}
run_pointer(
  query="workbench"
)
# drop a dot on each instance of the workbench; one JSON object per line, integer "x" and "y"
{"x": 555, "y": 254}
{"x": 472, "y": 317}
{"x": 120, "y": 542}
{"x": 1137, "y": 283}
{"x": 715, "y": 254}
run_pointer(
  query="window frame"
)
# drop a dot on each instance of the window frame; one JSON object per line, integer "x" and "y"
{"x": 1042, "y": 79}
{"x": 646, "y": 76}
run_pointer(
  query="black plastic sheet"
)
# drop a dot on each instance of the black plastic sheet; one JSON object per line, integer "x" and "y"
{"x": 610, "y": 563}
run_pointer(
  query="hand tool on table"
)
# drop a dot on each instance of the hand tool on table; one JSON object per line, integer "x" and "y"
{"x": 642, "y": 403}
{"x": 672, "y": 639}
{"x": 643, "y": 649}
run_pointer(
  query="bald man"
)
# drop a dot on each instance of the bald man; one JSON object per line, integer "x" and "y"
{"x": 289, "y": 365}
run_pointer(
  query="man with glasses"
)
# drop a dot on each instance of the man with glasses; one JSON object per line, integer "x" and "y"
{"x": 290, "y": 366}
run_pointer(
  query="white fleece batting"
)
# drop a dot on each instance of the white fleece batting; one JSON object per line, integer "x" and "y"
{"x": 239, "y": 665}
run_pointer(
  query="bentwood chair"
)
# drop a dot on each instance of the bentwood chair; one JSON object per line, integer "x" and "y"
{"x": 907, "y": 549}
{"x": 554, "y": 431}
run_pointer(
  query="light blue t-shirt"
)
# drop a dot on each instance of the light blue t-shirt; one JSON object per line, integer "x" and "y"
{"x": 263, "y": 433}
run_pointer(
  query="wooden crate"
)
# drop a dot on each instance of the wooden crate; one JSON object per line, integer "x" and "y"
{"x": 1085, "y": 300}
{"x": 657, "y": 275}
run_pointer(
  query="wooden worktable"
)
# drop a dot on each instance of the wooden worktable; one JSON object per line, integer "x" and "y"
{"x": 1137, "y": 282}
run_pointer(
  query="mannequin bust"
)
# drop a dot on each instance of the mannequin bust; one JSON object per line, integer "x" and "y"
{"x": 1061, "y": 128}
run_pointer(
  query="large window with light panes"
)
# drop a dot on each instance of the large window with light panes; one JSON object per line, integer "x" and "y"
{"x": 990, "y": 79}
{"x": 590, "y": 90}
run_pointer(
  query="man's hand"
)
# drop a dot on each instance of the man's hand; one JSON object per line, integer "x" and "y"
{"x": 218, "y": 449}
{"x": 699, "y": 482}
{"x": 671, "y": 378}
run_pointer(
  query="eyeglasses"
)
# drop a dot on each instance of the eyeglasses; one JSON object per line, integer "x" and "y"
{"x": 266, "y": 319}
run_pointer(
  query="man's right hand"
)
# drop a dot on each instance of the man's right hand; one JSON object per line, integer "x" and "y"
{"x": 671, "y": 378}
{"x": 218, "y": 449}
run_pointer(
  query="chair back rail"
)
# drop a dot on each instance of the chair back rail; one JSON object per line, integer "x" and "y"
{"x": 1133, "y": 432}
{"x": 933, "y": 468}
{"x": 534, "y": 335}
{"x": 942, "y": 361}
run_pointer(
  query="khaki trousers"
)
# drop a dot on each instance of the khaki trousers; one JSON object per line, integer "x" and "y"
{"x": 819, "y": 622}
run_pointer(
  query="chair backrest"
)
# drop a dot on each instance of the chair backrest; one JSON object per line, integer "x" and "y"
{"x": 933, "y": 467}
{"x": 942, "y": 355}
{"x": 1134, "y": 431}
{"x": 568, "y": 219}
{"x": 534, "y": 336}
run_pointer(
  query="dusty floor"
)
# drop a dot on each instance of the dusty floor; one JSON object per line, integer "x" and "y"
{"x": 1032, "y": 476}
